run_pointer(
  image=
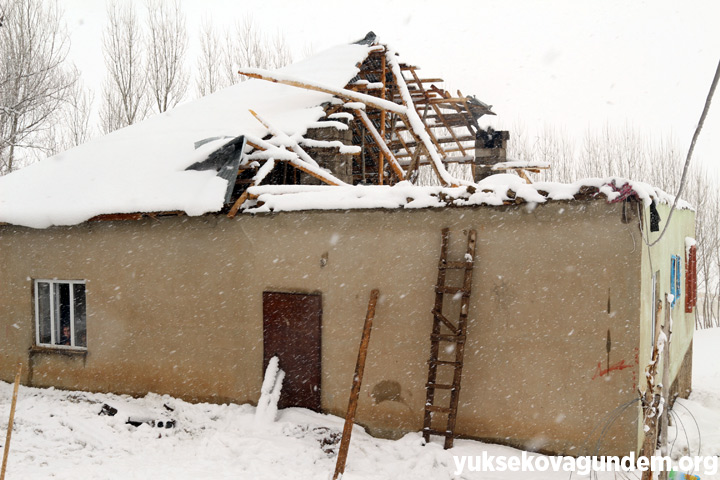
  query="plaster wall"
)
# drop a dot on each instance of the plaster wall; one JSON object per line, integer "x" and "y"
{"x": 175, "y": 306}
{"x": 658, "y": 259}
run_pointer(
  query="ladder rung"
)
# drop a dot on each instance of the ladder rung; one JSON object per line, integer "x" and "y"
{"x": 435, "y": 408}
{"x": 447, "y": 338}
{"x": 444, "y": 362}
{"x": 442, "y": 433}
{"x": 451, "y": 265}
{"x": 457, "y": 336}
{"x": 441, "y": 386}
{"x": 449, "y": 290}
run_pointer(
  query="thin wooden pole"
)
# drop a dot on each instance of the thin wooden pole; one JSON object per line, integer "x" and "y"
{"x": 651, "y": 399}
{"x": 665, "y": 389}
{"x": 11, "y": 421}
{"x": 355, "y": 391}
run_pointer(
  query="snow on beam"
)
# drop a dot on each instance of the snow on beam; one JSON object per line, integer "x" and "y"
{"x": 417, "y": 127}
{"x": 298, "y": 158}
{"x": 302, "y": 161}
{"x": 284, "y": 139}
{"x": 277, "y": 77}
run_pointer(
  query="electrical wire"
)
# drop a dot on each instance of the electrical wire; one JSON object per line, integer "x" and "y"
{"x": 708, "y": 100}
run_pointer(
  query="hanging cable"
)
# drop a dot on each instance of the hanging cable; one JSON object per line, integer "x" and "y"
{"x": 708, "y": 100}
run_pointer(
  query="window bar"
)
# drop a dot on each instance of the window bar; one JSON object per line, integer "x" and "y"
{"x": 37, "y": 312}
{"x": 71, "y": 289}
{"x": 52, "y": 312}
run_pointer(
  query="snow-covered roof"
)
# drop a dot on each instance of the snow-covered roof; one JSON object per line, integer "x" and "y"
{"x": 142, "y": 168}
{"x": 170, "y": 162}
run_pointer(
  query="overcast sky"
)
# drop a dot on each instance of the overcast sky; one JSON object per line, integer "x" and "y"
{"x": 571, "y": 64}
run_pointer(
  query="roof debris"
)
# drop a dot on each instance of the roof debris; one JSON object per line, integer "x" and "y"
{"x": 369, "y": 124}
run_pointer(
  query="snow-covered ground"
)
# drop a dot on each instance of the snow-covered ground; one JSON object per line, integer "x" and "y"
{"x": 59, "y": 434}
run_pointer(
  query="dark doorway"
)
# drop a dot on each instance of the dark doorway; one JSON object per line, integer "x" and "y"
{"x": 291, "y": 330}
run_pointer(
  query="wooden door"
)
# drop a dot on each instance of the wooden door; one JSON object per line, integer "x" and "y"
{"x": 292, "y": 331}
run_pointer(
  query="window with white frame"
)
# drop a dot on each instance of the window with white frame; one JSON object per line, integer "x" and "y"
{"x": 60, "y": 313}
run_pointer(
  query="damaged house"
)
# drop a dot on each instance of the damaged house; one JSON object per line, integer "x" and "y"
{"x": 178, "y": 255}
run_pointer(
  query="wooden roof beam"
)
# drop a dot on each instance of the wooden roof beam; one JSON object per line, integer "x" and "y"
{"x": 345, "y": 94}
{"x": 380, "y": 142}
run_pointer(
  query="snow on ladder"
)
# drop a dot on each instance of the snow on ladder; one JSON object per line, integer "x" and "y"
{"x": 448, "y": 333}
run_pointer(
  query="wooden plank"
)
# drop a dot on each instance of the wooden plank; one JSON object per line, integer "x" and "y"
{"x": 445, "y": 321}
{"x": 8, "y": 436}
{"x": 381, "y": 144}
{"x": 444, "y": 159}
{"x": 427, "y": 127}
{"x": 432, "y": 162}
{"x": 467, "y": 138}
{"x": 426, "y": 80}
{"x": 435, "y": 408}
{"x": 467, "y": 109}
{"x": 415, "y": 160}
{"x": 443, "y": 175}
{"x": 445, "y": 337}
{"x": 437, "y": 101}
{"x": 404, "y": 145}
{"x": 441, "y": 118}
{"x": 452, "y": 290}
{"x": 439, "y": 386}
{"x": 327, "y": 179}
{"x": 523, "y": 176}
{"x": 109, "y": 217}
{"x": 347, "y": 95}
{"x": 355, "y": 390}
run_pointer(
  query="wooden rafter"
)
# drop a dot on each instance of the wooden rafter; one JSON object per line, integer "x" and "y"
{"x": 437, "y": 112}
{"x": 380, "y": 141}
{"x": 345, "y": 94}
{"x": 386, "y": 125}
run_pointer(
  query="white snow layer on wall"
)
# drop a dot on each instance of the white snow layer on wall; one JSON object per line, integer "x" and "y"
{"x": 141, "y": 168}
{"x": 491, "y": 191}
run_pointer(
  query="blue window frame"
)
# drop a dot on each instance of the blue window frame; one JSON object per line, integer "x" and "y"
{"x": 675, "y": 276}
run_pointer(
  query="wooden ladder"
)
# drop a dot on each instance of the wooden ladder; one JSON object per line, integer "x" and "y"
{"x": 445, "y": 331}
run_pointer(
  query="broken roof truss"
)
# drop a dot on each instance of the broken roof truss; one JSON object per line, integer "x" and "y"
{"x": 398, "y": 122}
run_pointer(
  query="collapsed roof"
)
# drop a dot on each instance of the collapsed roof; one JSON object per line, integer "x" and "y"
{"x": 219, "y": 153}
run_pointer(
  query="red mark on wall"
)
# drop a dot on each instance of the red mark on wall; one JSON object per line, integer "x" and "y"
{"x": 600, "y": 372}
{"x": 637, "y": 362}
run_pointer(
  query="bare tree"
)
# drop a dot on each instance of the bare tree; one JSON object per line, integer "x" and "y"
{"x": 124, "y": 91}
{"x": 208, "y": 79}
{"x": 280, "y": 52}
{"x": 74, "y": 127}
{"x": 248, "y": 47}
{"x": 167, "y": 46}
{"x": 34, "y": 79}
